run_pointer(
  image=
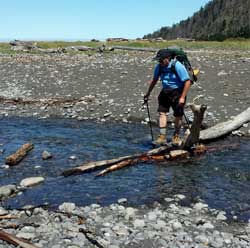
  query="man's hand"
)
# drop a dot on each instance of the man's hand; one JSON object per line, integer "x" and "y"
{"x": 145, "y": 98}
{"x": 182, "y": 100}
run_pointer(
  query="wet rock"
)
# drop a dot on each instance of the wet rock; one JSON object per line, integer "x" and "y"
{"x": 122, "y": 201}
{"x": 46, "y": 155}
{"x": 7, "y": 190}
{"x": 73, "y": 157}
{"x": 31, "y": 181}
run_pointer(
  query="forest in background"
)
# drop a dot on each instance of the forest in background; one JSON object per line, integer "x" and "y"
{"x": 217, "y": 20}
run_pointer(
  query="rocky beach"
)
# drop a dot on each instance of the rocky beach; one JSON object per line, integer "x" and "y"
{"x": 108, "y": 88}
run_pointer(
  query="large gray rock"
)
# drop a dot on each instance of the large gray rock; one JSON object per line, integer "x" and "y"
{"x": 7, "y": 190}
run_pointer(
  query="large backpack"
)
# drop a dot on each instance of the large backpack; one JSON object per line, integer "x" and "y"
{"x": 178, "y": 54}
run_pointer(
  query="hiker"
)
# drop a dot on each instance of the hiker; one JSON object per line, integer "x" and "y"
{"x": 175, "y": 85}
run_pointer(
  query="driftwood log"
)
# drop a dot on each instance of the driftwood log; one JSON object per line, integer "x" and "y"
{"x": 20, "y": 154}
{"x": 224, "y": 128}
{"x": 19, "y": 45}
{"x": 103, "y": 163}
{"x": 8, "y": 217}
{"x": 169, "y": 153}
{"x": 11, "y": 239}
{"x": 141, "y": 49}
{"x": 193, "y": 135}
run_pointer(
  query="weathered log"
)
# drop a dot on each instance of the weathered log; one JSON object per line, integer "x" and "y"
{"x": 8, "y": 217}
{"x": 22, "y": 45}
{"x": 50, "y": 50}
{"x": 142, "y": 49}
{"x": 128, "y": 162}
{"x": 10, "y": 238}
{"x": 103, "y": 163}
{"x": 16, "y": 157}
{"x": 192, "y": 135}
{"x": 175, "y": 154}
{"x": 79, "y": 48}
{"x": 172, "y": 155}
{"x": 225, "y": 128}
{"x": 116, "y": 166}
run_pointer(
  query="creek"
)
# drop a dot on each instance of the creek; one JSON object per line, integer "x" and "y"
{"x": 220, "y": 178}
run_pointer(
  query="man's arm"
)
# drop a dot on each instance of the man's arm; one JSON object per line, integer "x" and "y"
{"x": 185, "y": 91}
{"x": 151, "y": 87}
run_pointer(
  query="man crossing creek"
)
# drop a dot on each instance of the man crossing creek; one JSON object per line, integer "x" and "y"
{"x": 176, "y": 81}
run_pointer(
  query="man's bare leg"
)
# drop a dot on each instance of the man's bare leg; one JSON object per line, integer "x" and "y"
{"x": 161, "y": 140}
{"x": 163, "y": 123}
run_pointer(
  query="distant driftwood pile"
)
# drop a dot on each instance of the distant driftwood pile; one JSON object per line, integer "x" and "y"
{"x": 27, "y": 46}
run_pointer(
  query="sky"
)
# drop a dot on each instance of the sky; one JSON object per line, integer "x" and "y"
{"x": 90, "y": 19}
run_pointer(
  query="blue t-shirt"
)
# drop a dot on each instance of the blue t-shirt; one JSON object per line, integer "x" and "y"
{"x": 169, "y": 78}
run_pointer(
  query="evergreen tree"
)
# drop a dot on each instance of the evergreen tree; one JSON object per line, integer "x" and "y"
{"x": 217, "y": 20}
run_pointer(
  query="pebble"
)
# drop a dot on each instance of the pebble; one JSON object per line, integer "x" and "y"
{"x": 67, "y": 207}
{"x": 176, "y": 225}
{"x": 221, "y": 216}
{"x": 139, "y": 223}
{"x": 73, "y": 157}
{"x": 3, "y": 211}
{"x": 199, "y": 206}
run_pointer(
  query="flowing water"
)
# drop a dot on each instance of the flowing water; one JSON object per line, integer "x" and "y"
{"x": 221, "y": 178}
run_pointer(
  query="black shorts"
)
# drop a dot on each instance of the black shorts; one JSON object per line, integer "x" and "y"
{"x": 170, "y": 98}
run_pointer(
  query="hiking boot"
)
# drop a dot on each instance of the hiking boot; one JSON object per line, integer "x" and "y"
{"x": 176, "y": 140}
{"x": 161, "y": 140}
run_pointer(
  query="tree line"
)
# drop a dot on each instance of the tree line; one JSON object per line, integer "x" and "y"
{"x": 217, "y": 20}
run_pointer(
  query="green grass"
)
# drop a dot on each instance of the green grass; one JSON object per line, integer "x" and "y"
{"x": 228, "y": 44}
{"x": 235, "y": 44}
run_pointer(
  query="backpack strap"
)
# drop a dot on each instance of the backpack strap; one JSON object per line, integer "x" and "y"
{"x": 189, "y": 69}
{"x": 173, "y": 69}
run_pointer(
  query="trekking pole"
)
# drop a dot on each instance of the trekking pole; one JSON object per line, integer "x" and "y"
{"x": 149, "y": 120}
{"x": 187, "y": 121}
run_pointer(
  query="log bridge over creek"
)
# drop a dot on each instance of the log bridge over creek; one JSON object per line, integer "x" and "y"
{"x": 193, "y": 144}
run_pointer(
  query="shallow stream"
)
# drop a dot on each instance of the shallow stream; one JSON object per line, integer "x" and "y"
{"x": 221, "y": 178}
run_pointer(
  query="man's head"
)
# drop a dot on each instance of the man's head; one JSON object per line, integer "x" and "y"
{"x": 162, "y": 54}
